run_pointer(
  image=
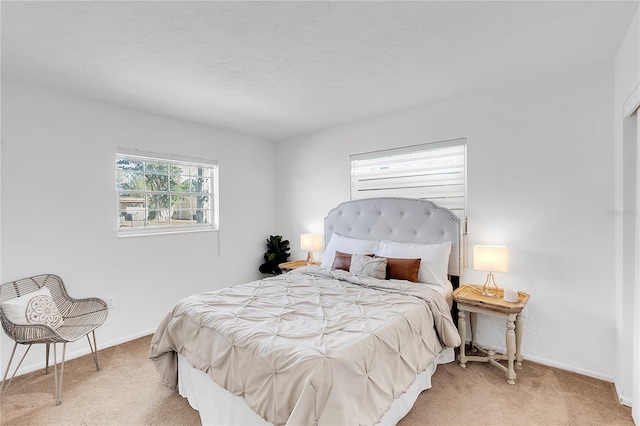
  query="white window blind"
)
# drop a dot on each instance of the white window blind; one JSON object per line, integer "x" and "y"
{"x": 433, "y": 171}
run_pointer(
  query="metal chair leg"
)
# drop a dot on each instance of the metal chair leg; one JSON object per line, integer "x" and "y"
{"x": 94, "y": 349}
{"x": 58, "y": 380}
{"x": 55, "y": 371}
{"x": 46, "y": 367}
{"x": 4, "y": 379}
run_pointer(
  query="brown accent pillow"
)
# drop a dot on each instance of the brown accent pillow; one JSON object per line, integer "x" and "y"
{"x": 343, "y": 260}
{"x": 403, "y": 269}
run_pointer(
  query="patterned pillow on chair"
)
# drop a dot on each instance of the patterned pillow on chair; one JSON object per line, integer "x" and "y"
{"x": 36, "y": 307}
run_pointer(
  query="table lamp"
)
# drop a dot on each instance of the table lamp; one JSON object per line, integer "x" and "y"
{"x": 491, "y": 259}
{"x": 310, "y": 242}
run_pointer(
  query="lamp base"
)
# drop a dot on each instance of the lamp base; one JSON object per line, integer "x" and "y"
{"x": 486, "y": 288}
{"x": 309, "y": 260}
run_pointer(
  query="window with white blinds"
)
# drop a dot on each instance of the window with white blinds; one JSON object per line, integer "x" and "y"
{"x": 433, "y": 171}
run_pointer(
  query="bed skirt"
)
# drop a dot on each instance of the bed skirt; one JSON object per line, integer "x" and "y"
{"x": 229, "y": 409}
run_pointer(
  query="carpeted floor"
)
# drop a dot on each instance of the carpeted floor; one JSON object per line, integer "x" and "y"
{"x": 127, "y": 391}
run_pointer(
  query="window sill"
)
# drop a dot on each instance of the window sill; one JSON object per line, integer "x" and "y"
{"x": 164, "y": 231}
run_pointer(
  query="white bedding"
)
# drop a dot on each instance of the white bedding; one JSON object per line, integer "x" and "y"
{"x": 445, "y": 292}
{"x": 312, "y": 346}
{"x": 232, "y": 410}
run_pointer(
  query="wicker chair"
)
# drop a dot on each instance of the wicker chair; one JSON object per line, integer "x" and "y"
{"x": 80, "y": 317}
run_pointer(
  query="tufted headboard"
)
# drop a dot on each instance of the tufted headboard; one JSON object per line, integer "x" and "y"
{"x": 406, "y": 220}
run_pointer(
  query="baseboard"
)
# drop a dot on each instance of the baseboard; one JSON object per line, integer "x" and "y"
{"x": 568, "y": 367}
{"x": 84, "y": 351}
{"x": 623, "y": 400}
{"x": 126, "y": 339}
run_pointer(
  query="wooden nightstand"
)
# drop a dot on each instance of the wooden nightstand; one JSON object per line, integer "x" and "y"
{"x": 470, "y": 300}
{"x": 289, "y": 266}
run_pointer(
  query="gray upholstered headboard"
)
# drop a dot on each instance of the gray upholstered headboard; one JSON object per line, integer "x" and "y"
{"x": 407, "y": 220}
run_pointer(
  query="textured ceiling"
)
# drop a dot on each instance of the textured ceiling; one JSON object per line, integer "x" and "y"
{"x": 282, "y": 69}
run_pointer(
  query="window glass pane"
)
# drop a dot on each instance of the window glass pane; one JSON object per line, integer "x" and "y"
{"x": 155, "y": 167}
{"x": 131, "y": 211}
{"x": 181, "y": 213}
{"x": 129, "y": 200}
{"x": 156, "y": 182}
{"x": 201, "y": 184}
{"x": 179, "y": 202}
{"x": 132, "y": 220}
{"x": 178, "y": 169}
{"x": 127, "y": 164}
{"x": 129, "y": 181}
{"x": 181, "y": 183}
{"x": 158, "y": 217}
{"x": 196, "y": 170}
{"x": 177, "y": 184}
{"x": 201, "y": 202}
{"x": 158, "y": 201}
{"x": 202, "y": 216}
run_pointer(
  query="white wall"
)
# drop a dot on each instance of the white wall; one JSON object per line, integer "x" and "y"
{"x": 540, "y": 181}
{"x": 59, "y": 209}
{"x": 627, "y": 78}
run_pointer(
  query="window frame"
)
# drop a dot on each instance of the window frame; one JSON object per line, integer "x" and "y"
{"x": 170, "y": 160}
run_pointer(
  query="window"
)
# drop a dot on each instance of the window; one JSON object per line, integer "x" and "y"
{"x": 160, "y": 193}
{"x": 433, "y": 171}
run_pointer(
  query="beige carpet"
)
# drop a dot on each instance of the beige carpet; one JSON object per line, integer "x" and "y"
{"x": 127, "y": 391}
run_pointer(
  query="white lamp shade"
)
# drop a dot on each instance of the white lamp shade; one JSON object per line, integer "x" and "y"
{"x": 311, "y": 242}
{"x": 490, "y": 258}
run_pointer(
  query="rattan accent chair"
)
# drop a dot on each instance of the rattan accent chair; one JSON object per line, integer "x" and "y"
{"x": 79, "y": 318}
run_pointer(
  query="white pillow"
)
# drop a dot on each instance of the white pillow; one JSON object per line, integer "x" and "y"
{"x": 434, "y": 259}
{"x": 347, "y": 245}
{"x": 36, "y": 307}
{"x": 375, "y": 267}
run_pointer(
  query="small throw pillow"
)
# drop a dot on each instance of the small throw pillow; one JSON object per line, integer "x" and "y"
{"x": 403, "y": 269}
{"x": 36, "y": 307}
{"x": 343, "y": 260}
{"x": 375, "y": 267}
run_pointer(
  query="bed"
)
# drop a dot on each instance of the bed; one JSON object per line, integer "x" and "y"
{"x": 352, "y": 341}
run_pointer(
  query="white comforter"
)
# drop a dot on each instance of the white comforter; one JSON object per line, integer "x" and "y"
{"x": 314, "y": 346}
